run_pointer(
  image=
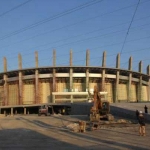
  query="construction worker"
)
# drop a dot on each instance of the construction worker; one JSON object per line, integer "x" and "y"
{"x": 146, "y": 109}
{"x": 142, "y": 124}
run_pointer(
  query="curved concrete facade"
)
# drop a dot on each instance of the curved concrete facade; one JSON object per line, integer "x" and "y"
{"x": 55, "y": 84}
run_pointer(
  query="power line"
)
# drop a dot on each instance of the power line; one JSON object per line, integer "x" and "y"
{"x": 95, "y": 37}
{"x": 6, "y": 12}
{"x": 109, "y": 45}
{"x": 130, "y": 31}
{"x": 104, "y": 35}
{"x": 129, "y": 27}
{"x": 52, "y": 18}
{"x": 112, "y": 45}
{"x": 75, "y": 23}
{"x": 81, "y": 22}
{"x": 73, "y": 36}
{"x": 94, "y": 58}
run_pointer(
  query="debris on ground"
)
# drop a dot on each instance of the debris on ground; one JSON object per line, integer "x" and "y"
{"x": 73, "y": 127}
{"x": 57, "y": 114}
{"x": 83, "y": 126}
{"x": 123, "y": 121}
{"x": 77, "y": 127}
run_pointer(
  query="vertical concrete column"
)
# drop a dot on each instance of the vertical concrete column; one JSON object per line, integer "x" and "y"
{"x": 71, "y": 76}
{"x": 103, "y": 71}
{"x": 104, "y": 59}
{"x": 140, "y": 82}
{"x": 36, "y": 59}
{"x": 148, "y": 88}
{"x": 87, "y": 69}
{"x": 71, "y": 72}
{"x": 5, "y": 79}
{"x": 12, "y": 111}
{"x": 130, "y": 80}
{"x": 25, "y": 110}
{"x": 36, "y": 79}
{"x": 54, "y": 73}
{"x": 103, "y": 80}
{"x": 117, "y": 78}
{"x": 20, "y": 80}
{"x": 16, "y": 112}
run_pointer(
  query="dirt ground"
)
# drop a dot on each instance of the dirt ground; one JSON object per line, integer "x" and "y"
{"x": 32, "y": 132}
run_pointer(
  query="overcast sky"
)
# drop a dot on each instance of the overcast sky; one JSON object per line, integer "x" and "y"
{"x": 114, "y": 26}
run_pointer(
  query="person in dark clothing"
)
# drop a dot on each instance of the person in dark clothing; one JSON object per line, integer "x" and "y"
{"x": 142, "y": 124}
{"x": 137, "y": 114}
{"x": 146, "y": 109}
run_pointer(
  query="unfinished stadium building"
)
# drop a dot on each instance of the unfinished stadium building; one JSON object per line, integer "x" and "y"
{"x": 26, "y": 88}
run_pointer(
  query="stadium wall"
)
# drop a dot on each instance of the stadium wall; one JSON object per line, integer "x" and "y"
{"x": 61, "y": 84}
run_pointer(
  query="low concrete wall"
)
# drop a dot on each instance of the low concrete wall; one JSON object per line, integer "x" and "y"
{"x": 81, "y": 108}
{"x": 118, "y": 111}
{"x": 124, "y": 110}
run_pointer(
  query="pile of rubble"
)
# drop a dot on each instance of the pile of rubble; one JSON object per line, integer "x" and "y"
{"x": 82, "y": 126}
{"x": 77, "y": 127}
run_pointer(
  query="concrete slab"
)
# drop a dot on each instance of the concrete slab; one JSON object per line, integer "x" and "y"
{"x": 44, "y": 133}
{"x": 127, "y": 110}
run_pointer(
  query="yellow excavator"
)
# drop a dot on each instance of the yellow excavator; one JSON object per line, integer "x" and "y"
{"x": 101, "y": 107}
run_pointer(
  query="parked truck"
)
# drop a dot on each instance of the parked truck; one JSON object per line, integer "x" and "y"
{"x": 45, "y": 110}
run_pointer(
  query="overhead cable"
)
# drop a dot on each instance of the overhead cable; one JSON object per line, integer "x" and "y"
{"x": 52, "y": 18}
{"x": 8, "y": 11}
{"x": 129, "y": 27}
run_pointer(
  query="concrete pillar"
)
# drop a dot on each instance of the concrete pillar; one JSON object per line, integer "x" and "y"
{"x": 140, "y": 82}
{"x": 118, "y": 61}
{"x": 54, "y": 58}
{"x": 129, "y": 87}
{"x": 19, "y": 61}
{"x": 20, "y": 80}
{"x": 12, "y": 111}
{"x": 16, "y": 112}
{"x": 54, "y": 72}
{"x": 71, "y": 80}
{"x": 104, "y": 59}
{"x": 5, "y": 112}
{"x": 103, "y": 80}
{"x": 5, "y": 64}
{"x": 53, "y": 98}
{"x": 36, "y": 59}
{"x": 25, "y": 111}
{"x": 117, "y": 78}
{"x": 36, "y": 79}
{"x": 103, "y": 71}
{"x": 87, "y": 58}
{"x": 87, "y": 69}
{"x": 5, "y": 85}
{"x": 36, "y": 86}
{"x": 71, "y": 76}
{"x": 130, "y": 80}
{"x": 71, "y": 58}
{"x": 148, "y": 88}
{"x": 130, "y": 64}
{"x": 140, "y": 66}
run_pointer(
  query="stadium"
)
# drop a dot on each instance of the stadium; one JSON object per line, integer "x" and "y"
{"x": 23, "y": 90}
